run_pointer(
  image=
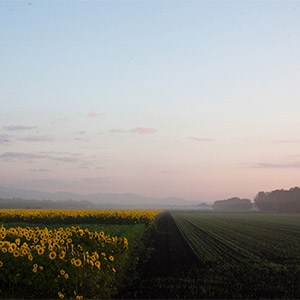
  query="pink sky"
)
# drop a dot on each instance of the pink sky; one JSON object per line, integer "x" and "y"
{"x": 198, "y": 100}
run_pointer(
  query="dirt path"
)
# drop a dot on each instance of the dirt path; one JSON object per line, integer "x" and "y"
{"x": 168, "y": 272}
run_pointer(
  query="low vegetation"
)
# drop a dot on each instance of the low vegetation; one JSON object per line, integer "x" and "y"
{"x": 67, "y": 261}
{"x": 72, "y": 216}
{"x": 244, "y": 255}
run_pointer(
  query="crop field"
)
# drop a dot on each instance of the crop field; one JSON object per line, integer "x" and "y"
{"x": 244, "y": 255}
{"x": 53, "y": 254}
{"x": 148, "y": 255}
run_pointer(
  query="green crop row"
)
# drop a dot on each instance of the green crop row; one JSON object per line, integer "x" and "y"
{"x": 244, "y": 255}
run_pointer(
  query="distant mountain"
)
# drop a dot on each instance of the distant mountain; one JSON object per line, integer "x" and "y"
{"x": 127, "y": 200}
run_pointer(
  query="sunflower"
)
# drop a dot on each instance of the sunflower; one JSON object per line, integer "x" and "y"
{"x": 97, "y": 264}
{"x": 66, "y": 276}
{"x": 1, "y": 264}
{"x": 40, "y": 251}
{"x": 52, "y": 255}
{"x": 78, "y": 262}
{"x": 16, "y": 253}
{"x": 111, "y": 258}
{"x": 62, "y": 272}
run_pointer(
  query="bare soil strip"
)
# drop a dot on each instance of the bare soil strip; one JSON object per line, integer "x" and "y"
{"x": 166, "y": 274}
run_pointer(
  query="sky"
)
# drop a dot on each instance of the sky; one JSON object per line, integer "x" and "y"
{"x": 194, "y": 99}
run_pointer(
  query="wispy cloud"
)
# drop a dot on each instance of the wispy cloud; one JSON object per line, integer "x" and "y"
{"x": 169, "y": 173}
{"x": 19, "y": 127}
{"x": 4, "y": 138}
{"x": 60, "y": 153}
{"x": 138, "y": 130}
{"x": 200, "y": 139}
{"x": 91, "y": 180}
{"x": 119, "y": 131}
{"x": 34, "y": 138}
{"x": 92, "y": 114}
{"x": 287, "y": 141}
{"x": 30, "y": 156}
{"x": 144, "y": 130}
{"x": 84, "y": 166}
{"x": 81, "y": 139}
{"x": 81, "y": 132}
{"x": 19, "y": 155}
{"x": 277, "y": 166}
{"x": 40, "y": 170}
{"x": 64, "y": 159}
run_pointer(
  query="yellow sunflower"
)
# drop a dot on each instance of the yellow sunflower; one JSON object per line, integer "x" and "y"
{"x": 78, "y": 262}
{"x": 52, "y": 255}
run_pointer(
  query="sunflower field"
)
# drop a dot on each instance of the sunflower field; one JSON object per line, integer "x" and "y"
{"x": 67, "y": 261}
{"x": 72, "y": 216}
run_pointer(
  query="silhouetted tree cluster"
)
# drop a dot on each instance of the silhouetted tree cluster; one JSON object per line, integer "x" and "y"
{"x": 233, "y": 204}
{"x": 285, "y": 201}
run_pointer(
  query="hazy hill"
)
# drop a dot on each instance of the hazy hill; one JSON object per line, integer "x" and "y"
{"x": 101, "y": 200}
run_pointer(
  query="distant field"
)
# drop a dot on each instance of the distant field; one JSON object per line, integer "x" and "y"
{"x": 245, "y": 254}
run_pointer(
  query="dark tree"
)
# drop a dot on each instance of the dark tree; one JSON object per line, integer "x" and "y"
{"x": 233, "y": 204}
{"x": 284, "y": 201}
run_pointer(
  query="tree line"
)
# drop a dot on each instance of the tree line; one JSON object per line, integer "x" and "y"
{"x": 233, "y": 204}
{"x": 283, "y": 201}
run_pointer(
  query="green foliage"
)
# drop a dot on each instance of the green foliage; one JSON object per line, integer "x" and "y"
{"x": 244, "y": 255}
{"x": 40, "y": 277}
{"x": 284, "y": 201}
{"x": 233, "y": 204}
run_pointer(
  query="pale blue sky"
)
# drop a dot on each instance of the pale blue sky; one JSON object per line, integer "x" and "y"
{"x": 183, "y": 96}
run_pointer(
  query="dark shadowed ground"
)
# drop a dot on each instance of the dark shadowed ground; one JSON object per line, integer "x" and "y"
{"x": 167, "y": 272}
